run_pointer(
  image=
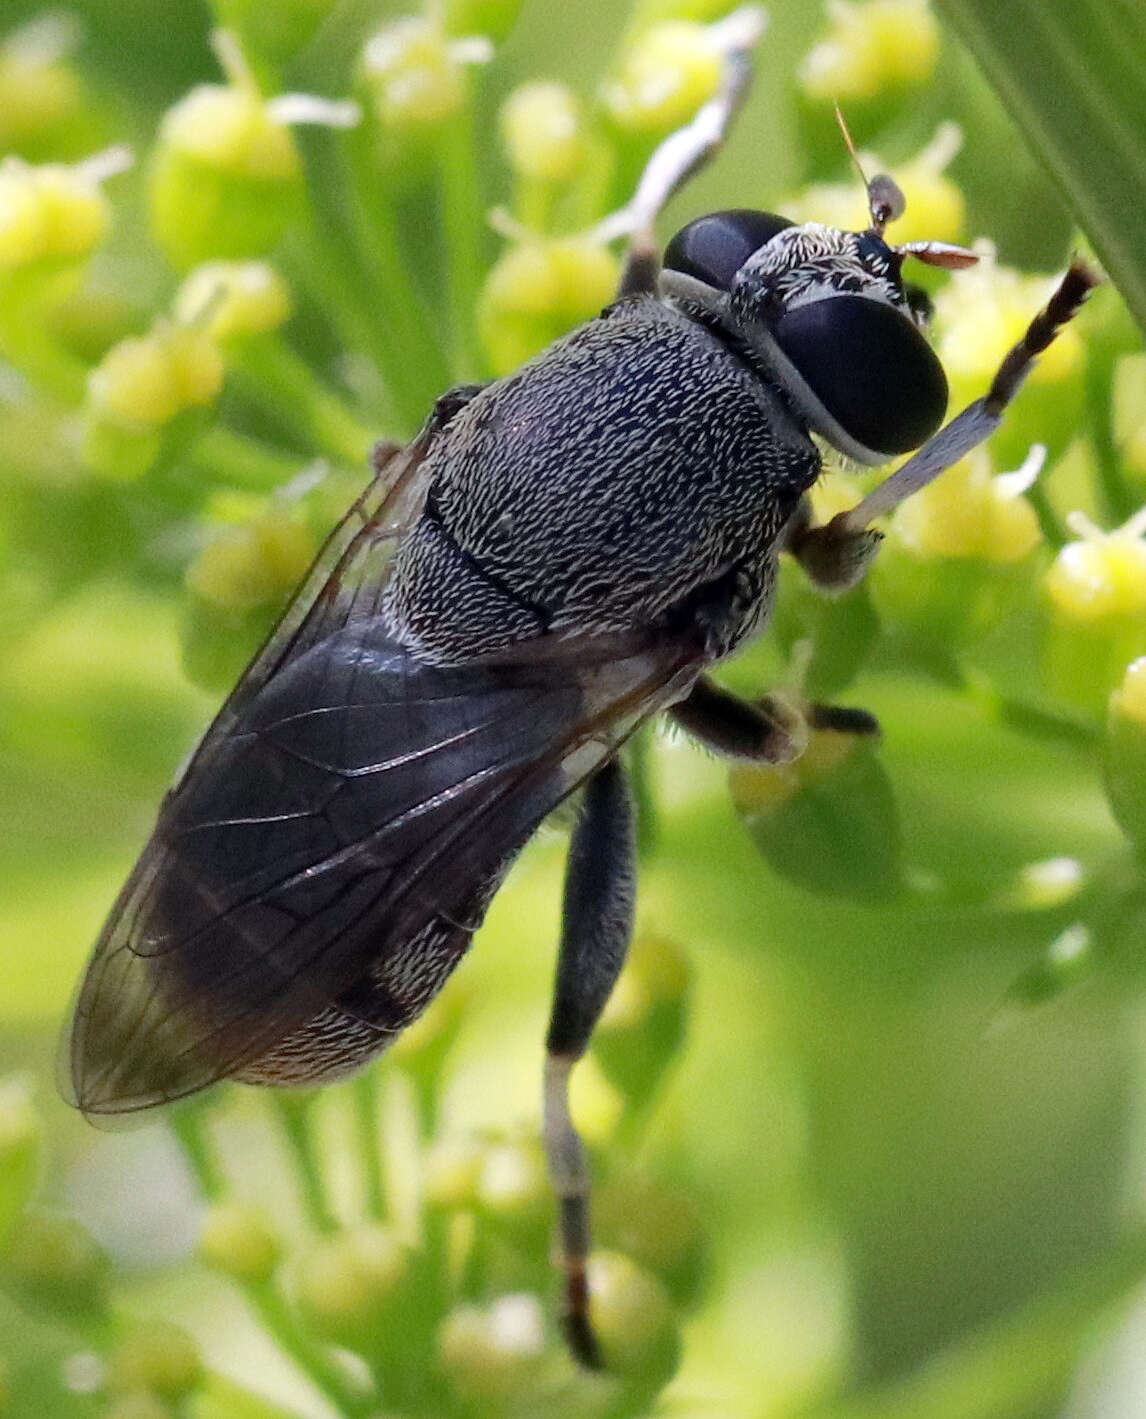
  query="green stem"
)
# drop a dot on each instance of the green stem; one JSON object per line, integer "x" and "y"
{"x": 1054, "y": 533}
{"x": 1119, "y": 501}
{"x": 221, "y": 455}
{"x": 270, "y": 373}
{"x": 293, "y": 1116}
{"x": 1035, "y": 720}
{"x": 357, "y": 253}
{"x": 463, "y": 227}
{"x": 189, "y": 1125}
{"x": 312, "y": 1359}
{"x": 366, "y": 1109}
{"x": 29, "y": 348}
{"x": 407, "y": 327}
{"x": 1018, "y": 1364}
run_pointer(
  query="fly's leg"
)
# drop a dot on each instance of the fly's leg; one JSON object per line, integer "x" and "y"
{"x": 840, "y": 542}
{"x": 597, "y": 921}
{"x": 683, "y": 153}
{"x": 837, "y": 554}
{"x": 835, "y": 561}
{"x": 772, "y": 730}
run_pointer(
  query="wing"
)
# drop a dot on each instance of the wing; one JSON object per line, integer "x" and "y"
{"x": 347, "y": 795}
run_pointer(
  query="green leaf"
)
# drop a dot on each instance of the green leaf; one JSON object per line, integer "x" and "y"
{"x": 1071, "y": 74}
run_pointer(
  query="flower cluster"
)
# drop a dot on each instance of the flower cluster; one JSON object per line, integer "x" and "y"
{"x": 207, "y": 317}
{"x": 431, "y": 1291}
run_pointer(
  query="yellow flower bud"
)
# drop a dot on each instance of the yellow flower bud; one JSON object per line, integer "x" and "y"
{"x": 451, "y": 1168}
{"x": 415, "y": 72}
{"x": 229, "y": 127}
{"x": 492, "y": 1354}
{"x": 513, "y": 1185}
{"x": 1096, "y": 595}
{"x": 542, "y": 127}
{"x": 870, "y": 47}
{"x": 827, "y": 821}
{"x": 1125, "y": 758}
{"x": 239, "y": 1240}
{"x": 761, "y": 788}
{"x": 537, "y": 291}
{"x": 147, "y": 380}
{"x": 1101, "y": 578}
{"x": 42, "y": 97}
{"x": 344, "y": 1284}
{"x": 155, "y": 1357}
{"x": 634, "y": 1319}
{"x": 671, "y": 70}
{"x": 969, "y": 513}
{"x": 1129, "y": 700}
{"x": 50, "y": 213}
{"x": 233, "y": 298}
{"x": 242, "y": 568}
{"x": 1129, "y": 414}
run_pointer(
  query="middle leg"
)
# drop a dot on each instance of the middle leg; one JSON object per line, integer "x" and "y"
{"x": 600, "y": 892}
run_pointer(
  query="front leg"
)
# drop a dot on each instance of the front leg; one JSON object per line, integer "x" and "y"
{"x": 834, "y": 555}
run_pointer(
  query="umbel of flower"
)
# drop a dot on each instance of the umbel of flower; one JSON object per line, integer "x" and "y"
{"x": 139, "y": 387}
{"x": 226, "y": 179}
{"x": 979, "y": 314}
{"x": 543, "y": 130}
{"x": 414, "y": 81}
{"x": 1096, "y": 611}
{"x": 1129, "y": 416}
{"x": 231, "y": 300}
{"x": 539, "y": 288}
{"x": 43, "y": 104}
{"x": 492, "y": 1354}
{"x": 959, "y": 552}
{"x": 869, "y": 48}
{"x": 51, "y": 220}
{"x": 664, "y": 77}
{"x": 1125, "y": 758}
{"x": 936, "y": 210}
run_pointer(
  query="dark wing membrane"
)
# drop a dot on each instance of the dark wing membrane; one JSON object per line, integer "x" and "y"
{"x": 355, "y": 797}
{"x": 345, "y": 583}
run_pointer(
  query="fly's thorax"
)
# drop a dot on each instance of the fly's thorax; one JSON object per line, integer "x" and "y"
{"x": 630, "y": 463}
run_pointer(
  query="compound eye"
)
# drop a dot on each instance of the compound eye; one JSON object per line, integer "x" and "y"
{"x": 870, "y": 367}
{"x": 715, "y": 247}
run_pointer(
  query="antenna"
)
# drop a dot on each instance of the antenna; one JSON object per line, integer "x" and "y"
{"x": 885, "y": 200}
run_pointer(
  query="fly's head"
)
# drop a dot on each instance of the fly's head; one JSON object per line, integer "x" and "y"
{"x": 827, "y": 315}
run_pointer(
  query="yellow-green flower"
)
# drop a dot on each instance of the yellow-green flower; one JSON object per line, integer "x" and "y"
{"x": 233, "y": 298}
{"x": 871, "y": 46}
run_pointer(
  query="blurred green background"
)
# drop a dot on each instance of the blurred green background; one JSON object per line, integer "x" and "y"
{"x": 875, "y": 1134}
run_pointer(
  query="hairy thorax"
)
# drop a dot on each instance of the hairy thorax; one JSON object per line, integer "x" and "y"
{"x": 616, "y": 476}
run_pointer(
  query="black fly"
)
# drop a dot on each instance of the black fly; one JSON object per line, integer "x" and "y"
{"x": 555, "y": 558}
